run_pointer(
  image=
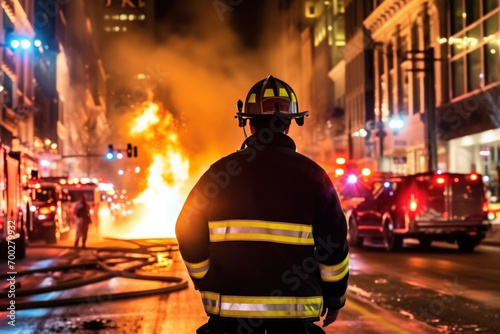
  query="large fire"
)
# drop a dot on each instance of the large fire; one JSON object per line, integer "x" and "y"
{"x": 162, "y": 199}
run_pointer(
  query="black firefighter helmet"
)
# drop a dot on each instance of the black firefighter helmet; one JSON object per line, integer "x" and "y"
{"x": 270, "y": 97}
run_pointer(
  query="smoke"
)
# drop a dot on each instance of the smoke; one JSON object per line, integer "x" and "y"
{"x": 202, "y": 71}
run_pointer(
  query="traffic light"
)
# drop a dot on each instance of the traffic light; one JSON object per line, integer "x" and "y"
{"x": 129, "y": 150}
{"x": 111, "y": 152}
{"x": 135, "y": 151}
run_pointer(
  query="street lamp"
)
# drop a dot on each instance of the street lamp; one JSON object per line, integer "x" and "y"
{"x": 396, "y": 124}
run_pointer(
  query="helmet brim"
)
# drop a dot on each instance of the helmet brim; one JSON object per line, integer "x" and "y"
{"x": 289, "y": 116}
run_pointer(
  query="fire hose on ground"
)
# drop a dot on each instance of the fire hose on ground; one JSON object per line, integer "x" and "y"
{"x": 108, "y": 272}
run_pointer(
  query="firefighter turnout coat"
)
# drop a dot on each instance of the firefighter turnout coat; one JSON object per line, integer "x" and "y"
{"x": 262, "y": 234}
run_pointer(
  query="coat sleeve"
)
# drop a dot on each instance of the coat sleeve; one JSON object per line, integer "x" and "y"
{"x": 192, "y": 233}
{"x": 332, "y": 250}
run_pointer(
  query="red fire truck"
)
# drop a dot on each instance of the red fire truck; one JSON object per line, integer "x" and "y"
{"x": 15, "y": 171}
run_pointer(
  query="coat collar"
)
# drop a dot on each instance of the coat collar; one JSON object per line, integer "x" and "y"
{"x": 269, "y": 139}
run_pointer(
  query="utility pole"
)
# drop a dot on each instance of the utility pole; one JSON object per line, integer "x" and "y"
{"x": 430, "y": 109}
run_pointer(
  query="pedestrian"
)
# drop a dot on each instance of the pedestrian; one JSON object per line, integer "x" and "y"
{"x": 82, "y": 220}
{"x": 262, "y": 233}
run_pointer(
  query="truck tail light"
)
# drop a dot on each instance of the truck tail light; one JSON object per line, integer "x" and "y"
{"x": 47, "y": 209}
{"x": 474, "y": 177}
{"x": 485, "y": 207}
{"x": 413, "y": 203}
{"x": 440, "y": 180}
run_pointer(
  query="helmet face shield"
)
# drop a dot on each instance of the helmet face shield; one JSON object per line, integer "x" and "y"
{"x": 269, "y": 106}
{"x": 267, "y": 95}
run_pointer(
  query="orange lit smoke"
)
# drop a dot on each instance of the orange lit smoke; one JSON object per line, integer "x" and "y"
{"x": 162, "y": 199}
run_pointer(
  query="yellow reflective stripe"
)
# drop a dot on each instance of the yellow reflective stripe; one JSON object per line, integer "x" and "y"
{"x": 198, "y": 265}
{"x": 210, "y": 295}
{"x": 261, "y": 237}
{"x": 252, "y": 98}
{"x": 269, "y": 92}
{"x": 283, "y": 92}
{"x": 198, "y": 270}
{"x": 294, "y": 99}
{"x": 271, "y": 307}
{"x": 260, "y": 223}
{"x": 335, "y": 273}
{"x": 271, "y": 300}
{"x": 270, "y": 314}
{"x": 251, "y": 230}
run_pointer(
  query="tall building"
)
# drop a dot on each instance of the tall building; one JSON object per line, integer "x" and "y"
{"x": 313, "y": 35}
{"x": 119, "y": 24}
{"x": 359, "y": 84}
{"x": 469, "y": 117}
{"x": 406, "y": 36}
{"x": 70, "y": 91}
{"x": 17, "y": 76}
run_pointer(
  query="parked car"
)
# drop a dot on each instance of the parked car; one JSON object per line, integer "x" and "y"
{"x": 46, "y": 206}
{"x": 430, "y": 206}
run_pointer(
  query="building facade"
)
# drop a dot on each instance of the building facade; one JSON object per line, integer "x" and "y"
{"x": 17, "y": 76}
{"x": 406, "y": 35}
{"x": 313, "y": 34}
{"x": 469, "y": 121}
{"x": 359, "y": 82}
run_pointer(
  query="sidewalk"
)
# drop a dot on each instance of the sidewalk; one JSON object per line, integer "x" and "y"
{"x": 493, "y": 236}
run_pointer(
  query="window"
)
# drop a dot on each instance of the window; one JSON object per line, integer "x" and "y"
{"x": 474, "y": 70}
{"x": 457, "y": 19}
{"x": 142, "y": 17}
{"x": 492, "y": 66}
{"x": 472, "y": 11}
{"x": 489, "y": 5}
{"x": 457, "y": 72}
{"x": 131, "y": 17}
{"x": 106, "y": 17}
{"x": 491, "y": 26}
{"x": 124, "y": 17}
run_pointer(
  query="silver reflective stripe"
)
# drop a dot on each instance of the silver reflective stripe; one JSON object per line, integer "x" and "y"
{"x": 211, "y": 302}
{"x": 271, "y": 307}
{"x": 257, "y": 230}
{"x": 336, "y": 272}
{"x": 197, "y": 270}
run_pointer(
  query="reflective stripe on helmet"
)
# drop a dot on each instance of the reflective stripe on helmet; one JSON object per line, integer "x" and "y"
{"x": 269, "y": 92}
{"x": 283, "y": 92}
{"x": 263, "y": 307}
{"x": 336, "y": 272}
{"x": 198, "y": 270}
{"x": 256, "y": 230}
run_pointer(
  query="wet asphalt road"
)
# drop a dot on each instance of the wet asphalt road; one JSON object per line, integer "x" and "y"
{"x": 413, "y": 291}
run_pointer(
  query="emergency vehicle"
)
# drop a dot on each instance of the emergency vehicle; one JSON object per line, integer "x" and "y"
{"x": 73, "y": 189}
{"x": 428, "y": 206}
{"x": 16, "y": 169}
{"x": 49, "y": 217}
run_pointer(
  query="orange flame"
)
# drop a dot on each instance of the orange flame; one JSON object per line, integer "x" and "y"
{"x": 166, "y": 175}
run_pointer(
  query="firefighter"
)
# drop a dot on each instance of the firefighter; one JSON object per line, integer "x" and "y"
{"x": 82, "y": 220}
{"x": 262, "y": 233}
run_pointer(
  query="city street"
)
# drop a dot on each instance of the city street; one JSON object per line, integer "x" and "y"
{"x": 166, "y": 161}
{"x": 412, "y": 291}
